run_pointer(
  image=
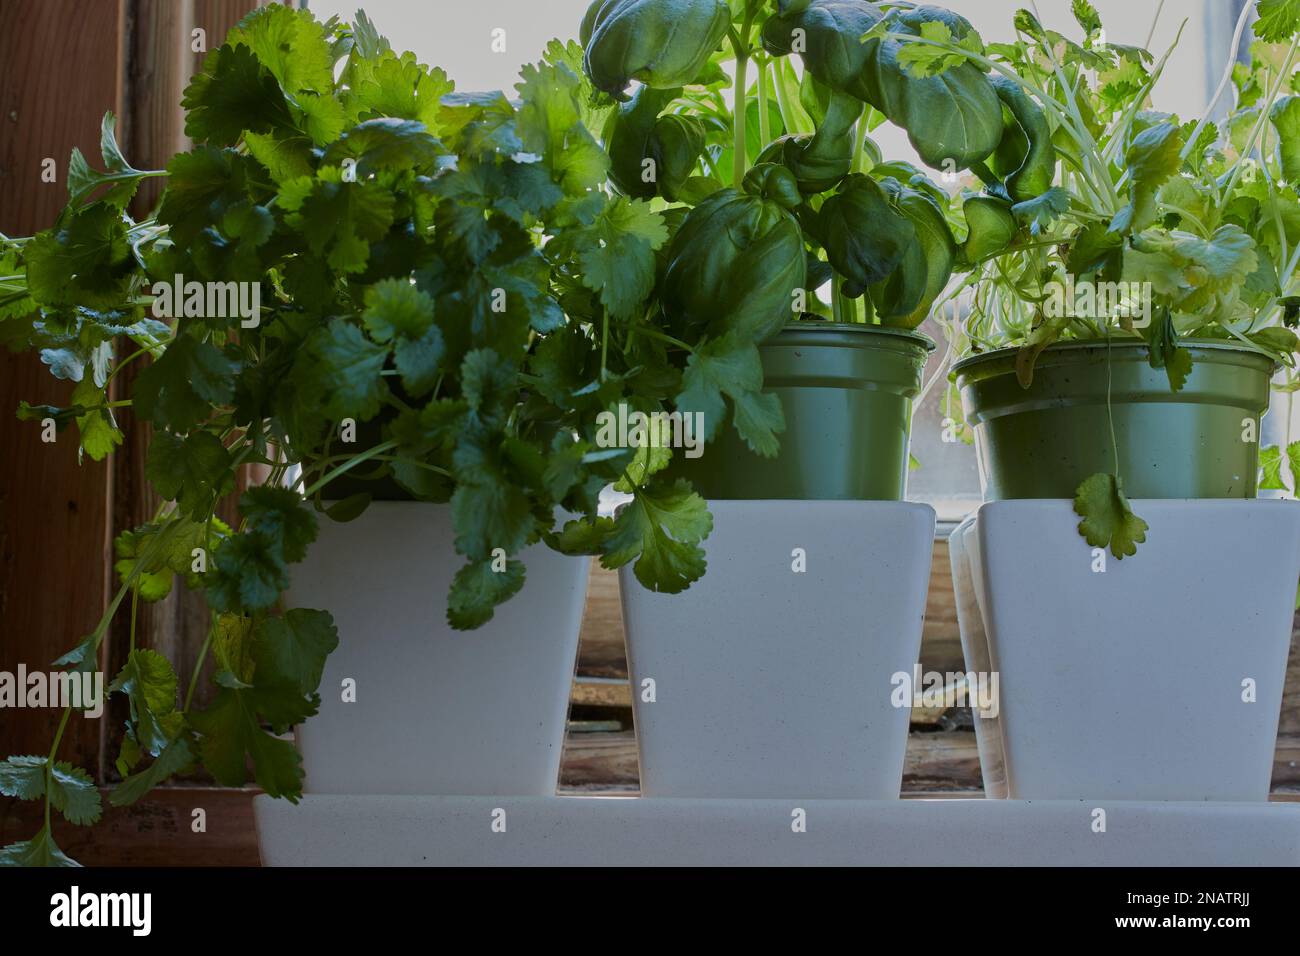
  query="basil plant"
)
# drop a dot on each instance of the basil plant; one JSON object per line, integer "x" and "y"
{"x": 746, "y": 124}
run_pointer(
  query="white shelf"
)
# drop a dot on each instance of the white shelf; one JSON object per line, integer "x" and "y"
{"x": 370, "y": 830}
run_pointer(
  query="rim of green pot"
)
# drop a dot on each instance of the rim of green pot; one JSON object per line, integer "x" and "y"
{"x": 1246, "y": 356}
{"x": 819, "y": 326}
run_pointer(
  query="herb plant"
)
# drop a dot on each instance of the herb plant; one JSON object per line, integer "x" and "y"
{"x": 436, "y": 270}
{"x": 1205, "y": 215}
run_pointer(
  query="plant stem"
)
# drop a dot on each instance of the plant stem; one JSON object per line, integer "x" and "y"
{"x": 764, "y": 121}
{"x": 135, "y": 609}
{"x": 202, "y": 659}
{"x": 739, "y": 161}
{"x": 1263, "y": 119}
{"x": 349, "y": 465}
{"x": 1223, "y": 80}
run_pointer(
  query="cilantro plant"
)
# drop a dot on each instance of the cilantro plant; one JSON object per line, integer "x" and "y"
{"x": 444, "y": 284}
{"x": 1205, "y": 215}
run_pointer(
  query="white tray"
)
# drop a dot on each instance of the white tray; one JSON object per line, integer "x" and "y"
{"x": 369, "y": 830}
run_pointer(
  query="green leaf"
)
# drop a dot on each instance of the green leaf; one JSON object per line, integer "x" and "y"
{"x": 96, "y": 426}
{"x": 729, "y": 366}
{"x": 1166, "y": 353}
{"x": 181, "y": 387}
{"x": 389, "y": 85}
{"x": 550, "y": 125}
{"x": 233, "y": 737}
{"x": 150, "y": 684}
{"x": 419, "y": 361}
{"x": 479, "y": 587}
{"x": 1270, "y": 469}
{"x": 1153, "y": 157}
{"x": 1042, "y": 211}
{"x": 617, "y": 254}
{"x": 489, "y": 509}
{"x": 193, "y": 471}
{"x": 291, "y": 44}
{"x": 121, "y": 177}
{"x": 582, "y": 536}
{"x": 249, "y": 573}
{"x": 387, "y": 144}
{"x": 71, "y": 790}
{"x": 1108, "y": 520}
{"x": 40, "y": 850}
{"x": 175, "y": 758}
{"x": 1278, "y": 20}
{"x": 85, "y": 260}
{"x": 234, "y": 93}
{"x": 1285, "y": 116}
{"x": 23, "y": 777}
{"x": 339, "y": 219}
{"x": 280, "y": 514}
{"x": 348, "y": 371}
{"x": 1194, "y": 273}
{"x": 396, "y": 308}
{"x": 661, "y": 530}
{"x": 290, "y": 651}
{"x": 1085, "y": 14}
{"x": 924, "y": 59}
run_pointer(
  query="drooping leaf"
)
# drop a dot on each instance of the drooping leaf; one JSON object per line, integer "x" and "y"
{"x": 1108, "y": 519}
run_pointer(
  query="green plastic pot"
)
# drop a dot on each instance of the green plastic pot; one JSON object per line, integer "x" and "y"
{"x": 1041, "y": 441}
{"x": 846, "y": 390}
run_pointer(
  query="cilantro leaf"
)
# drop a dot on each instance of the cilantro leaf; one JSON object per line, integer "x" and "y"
{"x": 1278, "y": 20}
{"x": 121, "y": 177}
{"x": 489, "y": 509}
{"x": 478, "y": 588}
{"x": 179, "y": 389}
{"x": 249, "y": 572}
{"x": 617, "y": 254}
{"x": 193, "y": 471}
{"x": 339, "y": 219}
{"x": 150, "y": 684}
{"x": 85, "y": 260}
{"x": 924, "y": 59}
{"x": 396, "y": 308}
{"x": 232, "y": 737}
{"x": 280, "y": 514}
{"x": 71, "y": 790}
{"x": 174, "y": 759}
{"x": 661, "y": 530}
{"x": 729, "y": 366}
{"x": 1108, "y": 519}
{"x": 1270, "y": 469}
{"x": 1042, "y": 211}
{"x": 234, "y": 93}
{"x": 418, "y": 361}
{"x": 291, "y": 44}
{"x": 289, "y": 651}
{"x": 389, "y": 85}
{"x": 1165, "y": 352}
{"x": 1153, "y": 157}
{"x": 347, "y": 371}
{"x": 40, "y": 850}
{"x": 1194, "y": 273}
{"x": 96, "y": 425}
{"x": 550, "y": 125}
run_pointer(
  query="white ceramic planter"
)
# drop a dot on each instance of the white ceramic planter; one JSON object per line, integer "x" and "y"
{"x": 437, "y": 711}
{"x": 1135, "y": 682}
{"x": 769, "y": 682}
